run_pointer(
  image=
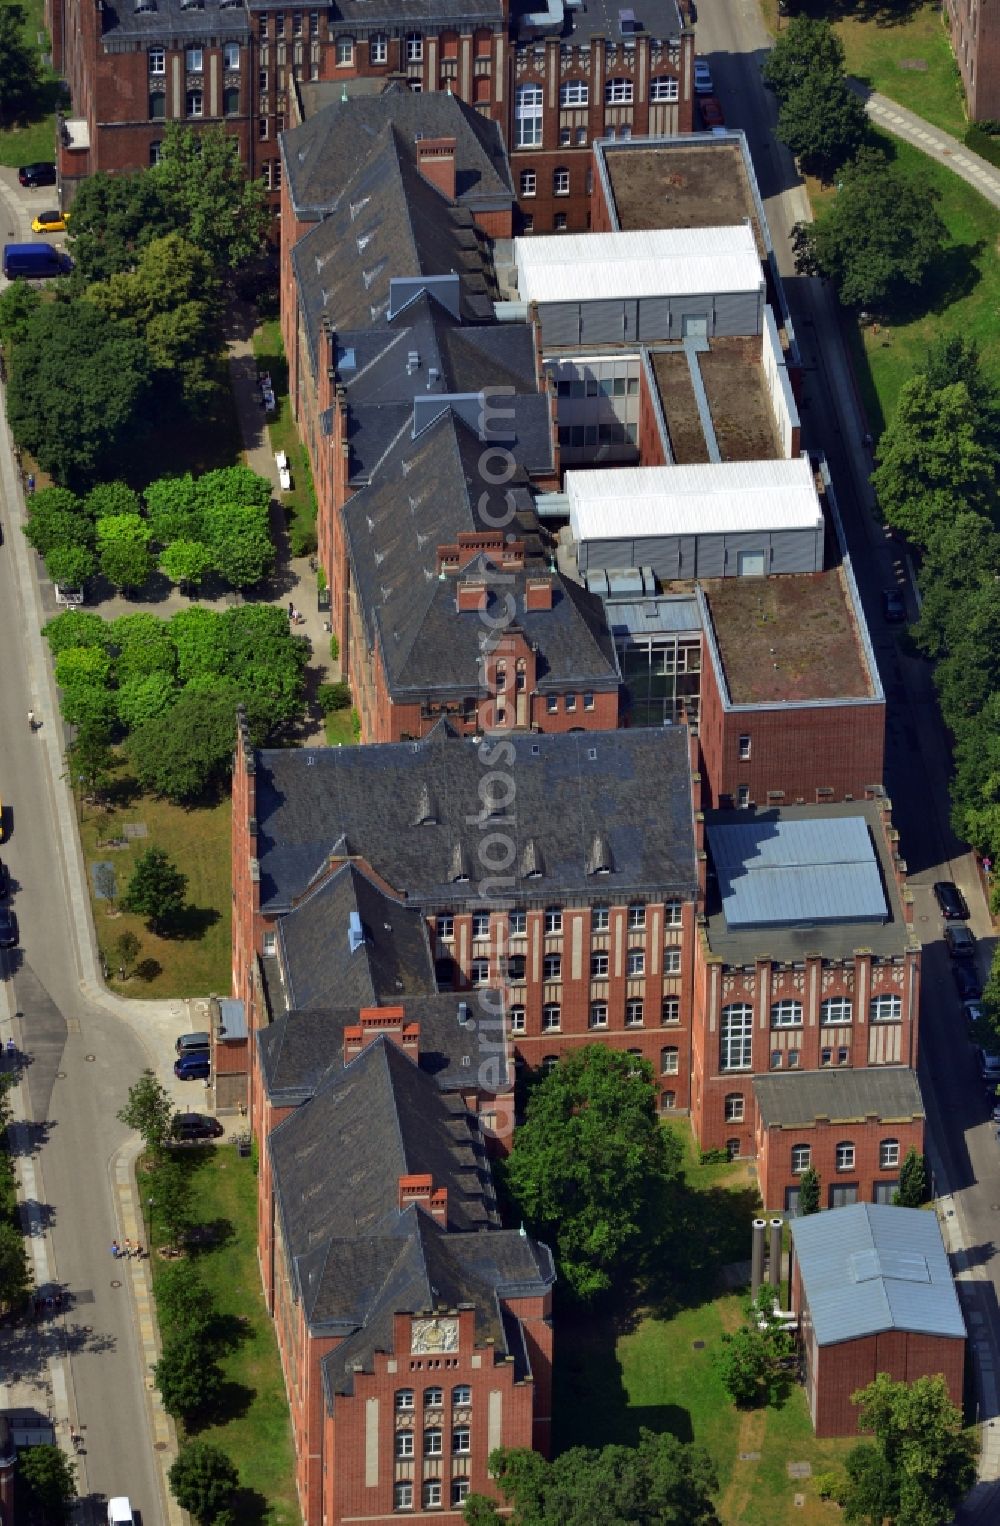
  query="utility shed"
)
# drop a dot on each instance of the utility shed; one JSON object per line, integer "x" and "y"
{"x": 711, "y": 520}
{"x": 874, "y": 1293}
{"x": 653, "y": 286}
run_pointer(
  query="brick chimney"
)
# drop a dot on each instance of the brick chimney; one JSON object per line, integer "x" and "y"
{"x": 373, "y": 1021}
{"x": 420, "y": 1188}
{"x": 538, "y": 593}
{"x": 470, "y": 597}
{"x": 436, "y": 162}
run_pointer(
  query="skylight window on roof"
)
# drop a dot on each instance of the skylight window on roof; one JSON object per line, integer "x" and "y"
{"x": 359, "y": 206}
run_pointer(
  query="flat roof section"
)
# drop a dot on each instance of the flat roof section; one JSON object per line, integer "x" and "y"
{"x": 788, "y": 638}
{"x": 775, "y": 873}
{"x": 669, "y": 185}
{"x": 788, "y": 943}
{"x": 706, "y": 499}
{"x": 732, "y": 374}
{"x": 655, "y": 262}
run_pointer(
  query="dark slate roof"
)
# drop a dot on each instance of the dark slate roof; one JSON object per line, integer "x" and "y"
{"x": 634, "y": 787}
{"x": 401, "y": 14}
{"x": 660, "y": 19}
{"x": 389, "y": 223}
{"x": 170, "y": 24}
{"x": 887, "y": 1092}
{"x": 410, "y": 612}
{"x": 394, "y": 962}
{"x": 339, "y": 133}
{"x": 298, "y": 1050}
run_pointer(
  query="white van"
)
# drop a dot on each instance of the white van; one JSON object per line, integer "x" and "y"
{"x": 120, "y": 1511}
{"x": 68, "y": 597}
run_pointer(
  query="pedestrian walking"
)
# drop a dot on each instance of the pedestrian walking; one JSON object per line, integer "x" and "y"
{"x": 31, "y": 482}
{"x": 11, "y": 1048}
{"x": 128, "y": 1248}
{"x": 291, "y": 610}
{"x": 139, "y": 1252}
{"x": 115, "y": 1250}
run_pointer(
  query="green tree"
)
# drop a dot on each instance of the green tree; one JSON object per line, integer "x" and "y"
{"x": 87, "y": 666}
{"x": 182, "y": 1300}
{"x": 174, "y": 509}
{"x": 196, "y": 634}
{"x": 960, "y": 555}
{"x": 90, "y": 761}
{"x": 114, "y": 218}
{"x": 878, "y": 239}
{"x": 264, "y": 661}
{"x": 109, "y": 498}
{"x": 590, "y": 1166}
{"x": 912, "y": 1189}
{"x": 805, "y": 50}
{"x": 480, "y": 1511}
{"x": 928, "y": 1459}
{"x": 203, "y": 1480}
{"x": 143, "y": 645}
{"x": 74, "y": 627}
{"x": 171, "y": 300}
{"x": 123, "y": 547}
{"x": 866, "y": 1496}
{"x": 660, "y": 1482}
{"x": 70, "y": 566}
{"x": 18, "y": 305}
{"x": 89, "y": 707}
{"x": 56, "y": 518}
{"x": 205, "y": 186}
{"x": 156, "y": 890}
{"x": 142, "y": 699}
{"x": 189, "y": 1381}
{"x": 14, "y": 1278}
{"x": 127, "y": 950}
{"x": 183, "y": 753}
{"x": 171, "y": 1192}
{"x": 77, "y": 391}
{"x": 809, "y": 1191}
{"x": 20, "y": 70}
{"x": 823, "y": 123}
{"x": 752, "y": 1361}
{"x": 186, "y": 562}
{"x": 149, "y": 1111}
{"x": 968, "y": 675}
{"x": 932, "y": 462}
{"x": 954, "y": 358}
{"x": 44, "y": 1485}
{"x": 240, "y": 542}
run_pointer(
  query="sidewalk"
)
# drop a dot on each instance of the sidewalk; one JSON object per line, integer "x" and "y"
{"x": 977, "y": 172}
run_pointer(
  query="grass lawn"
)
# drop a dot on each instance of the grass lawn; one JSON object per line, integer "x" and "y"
{"x": 339, "y": 726}
{"x": 879, "y": 53}
{"x": 300, "y": 503}
{"x": 255, "y": 1431}
{"x": 198, "y": 961}
{"x": 36, "y": 139}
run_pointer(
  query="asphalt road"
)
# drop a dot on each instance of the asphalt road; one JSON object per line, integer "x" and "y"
{"x": 80, "y": 1061}
{"x": 730, "y": 36}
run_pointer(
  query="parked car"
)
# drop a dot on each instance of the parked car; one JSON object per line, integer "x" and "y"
{"x": 711, "y": 111}
{"x": 195, "y": 1066}
{"x": 50, "y": 222}
{"x": 4, "y": 881}
{"x": 972, "y": 1006}
{"x": 989, "y": 1066}
{"x": 951, "y": 901}
{"x": 8, "y": 928}
{"x": 961, "y": 941}
{"x": 967, "y": 981}
{"x": 190, "y": 1041}
{"x": 37, "y": 174}
{"x": 702, "y": 78}
{"x": 893, "y": 606}
{"x": 120, "y": 1511}
{"x": 190, "y": 1128}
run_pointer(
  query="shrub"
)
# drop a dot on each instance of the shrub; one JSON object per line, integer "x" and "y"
{"x": 335, "y": 696}
{"x": 335, "y": 648}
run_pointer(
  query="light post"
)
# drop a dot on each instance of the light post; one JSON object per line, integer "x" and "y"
{"x": 152, "y": 1205}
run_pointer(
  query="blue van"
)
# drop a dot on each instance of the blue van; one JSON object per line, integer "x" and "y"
{"x": 196, "y": 1065}
{"x": 34, "y": 261}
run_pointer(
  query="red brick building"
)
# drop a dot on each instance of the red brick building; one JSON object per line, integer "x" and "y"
{"x": 874, "y": 1293}
{"x": 805, "y": 962}
{"x": 975, "y": 37}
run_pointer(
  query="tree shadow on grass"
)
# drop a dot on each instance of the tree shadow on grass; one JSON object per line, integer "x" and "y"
{"x": 708, "y": 1230}
{"x": 148, "y": 969}
{"x": 250, "y": 1507}
{"x": 191, "y": 923}
{"x": 209, "y": 1235}
{"x": 590, "y": 1402}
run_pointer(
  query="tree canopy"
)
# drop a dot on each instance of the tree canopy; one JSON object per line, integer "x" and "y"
{"x": 878, "y": 239}
{"x": 149, "y": 1111}
{"x": 156, "y": 890}
{"x": 823, "y": 123}
{"x": 78, "y": 390}
{"x": 660, "y": 1482}
{"x": 590, "y": 1165}
{"x": 933, "y": 461}
{"x": 921, "y": 1461}
{"x": 20, "y": 69}
{"x": 209, "y": 195}
{"x": 805, "y": 48}
{"x": 114, "y": 218}
{"x": 203, "y": 1480}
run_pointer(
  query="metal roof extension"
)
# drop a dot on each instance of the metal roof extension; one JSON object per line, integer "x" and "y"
{"x": 660, "y": 262}
{"x": 776, "y": 873}
{"x": 710, "y": 498}
{"x": 870, "y": 1267}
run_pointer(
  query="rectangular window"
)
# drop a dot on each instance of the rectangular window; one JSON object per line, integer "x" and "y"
{"x": 459, "y": 1491}
{"x": 517, "y": 1019}
{"x": 735, "y": 1106}
{"x": 801, "y": 1156}
{"x": 279, "y": 26}
{"x": 433, "y": 1443}
{"x": 600, "y": 919}
{"x": 671, "y": 961}
{"x": 231, "y": 55}
{"x": 560, "y": 183}
{"x": 262, "y": 129}
{"x": 527, "y": 224}
{"x": 461, "y": 1394}
{"x": 736, "y": 1039}
{"x": 553, "y": 919}
{"x": 402, "y": 1496}
{"x": 528, "y": 116}
{"x": 404, "y": 1443}
{"x": 618, "y": 92}
{"x": 445, "y": 926}
{"x": 517, "y": 924}
{"x": 672, "y": 913}
{"x": 843, "y": 1056}
{"x": 551, "y": 1018}
{"x": 575, "y": 92}
{"x": 461, "y": 1439}
{"x": 195, "y": 103}
{"x": 559, "y": 222}
{"x": 479, "y": 972}
{"x": 529, "y": 183}
{"x": 636, "y": 964}
{"x": 157, "y": 106}
{"x": 432, "y": 1492}
{"x": 663, "y": 88}
{"x": 378, "y": 49}
{"x": 552, "y": 704}
{"x": 670, "y": 1011}
{"x": 345, "y": 52}
{"x": 669, "y": 1061}
{"x": 826, "y": 1057}
{"x": 552, "y": 967}
{"x": 888, "y": 1154}
{"x": 480, "y": 924}
{"x": 633, "y": 1014}
{"x": 598, "y": 1014}
{"x": 414, "y": 48}
{"x": 157, "y": 61}
{"x": 744, "y": 748}
{"x": 296, "y": 23}
{"x": 571, "y": 702}
{"x": 637, "y": 916}
{"x": 599, "y": 966}
{"x": 194, "y": 60}
{"x": 588, "y": 702}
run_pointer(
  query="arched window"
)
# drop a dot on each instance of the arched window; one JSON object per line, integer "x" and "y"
{"x": 887, "y": 1008}
{"x": 835, "y": 1010}
{"x": 574, "y": 92}
{"x": 786, "y": 1014}
{"x": 549, "y": 1063}
{"x": 669, "y": 1060}
{"x": 560, "y": 182}
{"x": 551, "y": 1017}
{"x": 433, "y": 1398}
{"x": 618, "y": 92}
{"x": 801, "y": 1158}
{"x": 736, "y": 1037}
{"x": 845, "y": 1155}
{"x": 888, "y": 1154}
{"x": 735, "y": 1107}
{"x": 668, "y": 1101}
{"x": 404, "y": 1399}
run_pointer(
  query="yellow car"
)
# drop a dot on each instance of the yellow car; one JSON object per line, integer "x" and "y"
{"x": 50, "y": 222}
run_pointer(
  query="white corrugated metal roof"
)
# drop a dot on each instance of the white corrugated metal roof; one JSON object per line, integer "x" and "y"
{"x": 706, "y": 499}
{"x": 794, "y": 873}
{"x": 658, "y": 262}
{"x": 870, "y": 1267}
